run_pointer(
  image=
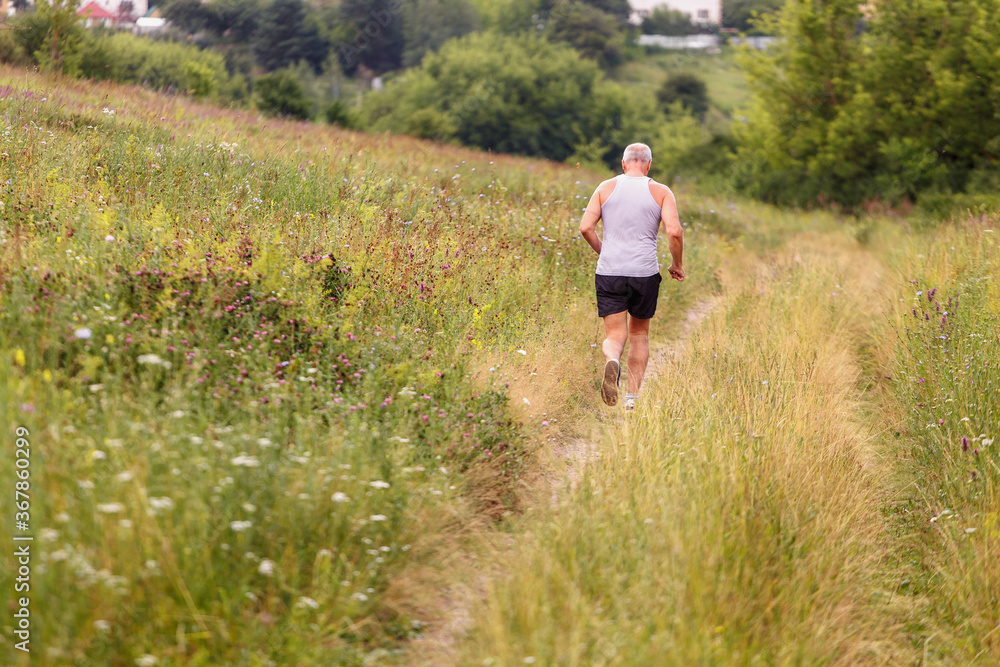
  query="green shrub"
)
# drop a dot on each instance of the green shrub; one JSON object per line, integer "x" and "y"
{"x": 337, "y": 113}
{"x": 281, "y": 94}
{"x": 128, "y": 59}
{"x": 513, "y": 95}
{"x": 686, "y": 88}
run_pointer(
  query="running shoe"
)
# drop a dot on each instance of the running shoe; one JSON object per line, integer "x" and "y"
{"x": 609, "y": 388}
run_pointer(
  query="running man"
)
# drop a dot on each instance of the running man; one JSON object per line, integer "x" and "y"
{"x": 627, "y": 279}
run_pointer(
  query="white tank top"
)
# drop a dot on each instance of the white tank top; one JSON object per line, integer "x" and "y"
{"x": 631, "y": 219}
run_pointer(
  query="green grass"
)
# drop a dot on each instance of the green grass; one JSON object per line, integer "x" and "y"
{"x": 251, "y": 356}
{"x": 727, "y": 87}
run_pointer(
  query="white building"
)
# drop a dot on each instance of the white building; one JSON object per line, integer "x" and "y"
{"x": 702, "y": 12}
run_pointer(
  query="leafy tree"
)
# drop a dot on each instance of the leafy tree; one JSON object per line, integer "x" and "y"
{"x": 188, "y": 16}
{"x": 903, "y": 111}
{"x": 371, "y": 34}
{"x": 511, "y": 17}
{"x": 687, "y": 89}
{"x": 62, "y": 35}
{"x": 289, "y": 34}
{"x": 427, "y": 24}
{"x": 664, "y": 21}
{"x": 591, "y": 31}
{"x": 236, "y": 20}
{"x": 514, "y": 95}
{"x": 808, "y": 134}
{"x": 280, "y": 93}
{"x": 620, "y": 9}
{"x": 740, "y": 14}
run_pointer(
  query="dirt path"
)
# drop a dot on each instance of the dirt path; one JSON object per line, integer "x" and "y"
{"x": 562, "y": 475}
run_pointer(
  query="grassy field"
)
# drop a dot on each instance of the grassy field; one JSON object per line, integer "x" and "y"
{"x": 268, "y": 370}
{"x": 285, "y": 392}
{"x": 813, "y": 481}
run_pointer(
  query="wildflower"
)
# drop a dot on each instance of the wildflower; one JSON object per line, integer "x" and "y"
{"x": 83, "y": 333}
{"x": 146, "y": 660}
{"x": 931, "y": 293}
{"x": 109, "y": 238}
{"x": 379, "y": 484}
{"x": 110, "y": 508}
{"x": 162, "y": 503}
{"x": 339, "y": 497}
{"x": 102, "y": 626}
{"x": 266, "y": 567}
{"x": 98, "y": 455}
{"x": 19, "y": 357}
{"x": 522, "y": 352}
{"x": 124, "y": 476}
{"x": 239, "y": 526}
{"x": 249, "y": 507}
{"x": 965, "y": 444}
{"x": 246, "y": 461}
{"x": 377, "y": 517}
{"x": 150, "y": 359}
{"x": 307, "y": 603}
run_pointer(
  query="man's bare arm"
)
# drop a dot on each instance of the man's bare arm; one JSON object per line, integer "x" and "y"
{"x": 588, "y": 225}
{"x": 672, "y": 227}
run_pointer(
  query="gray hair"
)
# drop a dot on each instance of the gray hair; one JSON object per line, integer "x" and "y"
{"x": 638, "y": 153}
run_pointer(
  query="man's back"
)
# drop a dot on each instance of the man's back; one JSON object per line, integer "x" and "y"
{"x": 631, "y": 219}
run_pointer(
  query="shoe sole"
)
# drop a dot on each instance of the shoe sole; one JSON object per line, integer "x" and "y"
{"x": 609, "y": 388}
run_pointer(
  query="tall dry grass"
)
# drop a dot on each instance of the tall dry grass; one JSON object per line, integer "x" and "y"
{"x": 735, "y": 517}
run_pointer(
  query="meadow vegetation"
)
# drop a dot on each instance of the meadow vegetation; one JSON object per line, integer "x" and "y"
{"x": 267, "y": 368}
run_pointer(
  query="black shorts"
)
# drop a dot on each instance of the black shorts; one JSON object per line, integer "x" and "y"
{"x": 616, "y": 294}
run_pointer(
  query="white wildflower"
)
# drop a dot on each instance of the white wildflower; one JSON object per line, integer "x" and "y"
{"x": 266, "y": 567}
{"x": 379, "y": 484}
{"x": 49, "y": 534}
{"x": 246, "y": 461}
{"x": 161, "y": 503}
{"x": 125, "y": 476}
{"x": 109, "y": 238}
{"x": 240, "y": 526}
{"x": 250, "y": 507}
{"x": 85, "y": 484}
{"x": 125, "y": 523}
{"x": 307, "y": 603}
{"x": 110, "y": 508}
{"x": 102, "y": 626}
{"x": 114, "y": 443}
{"x": 264, "y": 442}
{"x": 339, "y": 497}
{"x": 146, "y": 660}
{"x": 406, "y": 392}
{"x": 522, "y": 352}
{"x": 360, "y": 596}
{"x": 377, "y": 517}
{"x": 98, "y": 455}
{"x": 83, "y": 333}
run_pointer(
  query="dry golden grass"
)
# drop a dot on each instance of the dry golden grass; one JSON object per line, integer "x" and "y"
{"x": 735, "y": 517}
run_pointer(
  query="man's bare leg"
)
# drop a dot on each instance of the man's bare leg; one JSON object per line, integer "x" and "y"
{"x": 638, "y": 353}
{"x": 616, "y": 332}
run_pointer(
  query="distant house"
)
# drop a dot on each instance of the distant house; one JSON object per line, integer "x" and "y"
{"x": 702, "y": 12}
{"x": 94, "y": 15}
{"x": 123, "y": 11}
